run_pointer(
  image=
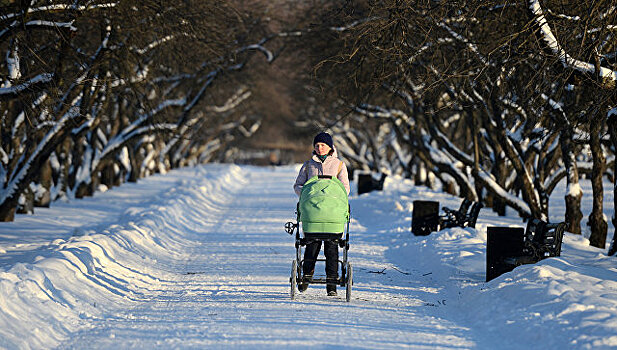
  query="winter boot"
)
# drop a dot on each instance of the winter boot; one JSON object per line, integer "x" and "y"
{"x": 302, "y": 286}
{"x": 331, "y": 288}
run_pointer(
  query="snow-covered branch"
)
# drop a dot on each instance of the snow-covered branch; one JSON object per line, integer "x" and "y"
{"x": 137, "y": 128}
{"x": 14, "y": 181}
{"x": 354, "y": 24}
{"x": 236, "y": 99}
{"x": 59, "y": 7}
{"x": 259, "y": 47}
{"x": 567, "y": 60}
{"x": 154, "y": 44}
{"x": 518, "y": 204}
{"x": 35, "y": 24}
{"x": 31, "y": 84}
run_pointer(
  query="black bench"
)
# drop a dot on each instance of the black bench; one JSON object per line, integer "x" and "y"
{"x": 542, "y": 240}
{"x": 465, "y": 216}
{"x": 426, "y": 219}
{"x": 366, "y": 183}
{"x": 509, "y": 247}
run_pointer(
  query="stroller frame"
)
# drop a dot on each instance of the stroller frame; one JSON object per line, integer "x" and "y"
{"x": 345, "y": 278}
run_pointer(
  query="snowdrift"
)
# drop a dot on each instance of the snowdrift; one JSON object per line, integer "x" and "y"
{"x": 73, "y": 280}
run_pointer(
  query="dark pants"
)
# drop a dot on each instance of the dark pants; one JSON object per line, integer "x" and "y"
{"x": 330, "y": 251}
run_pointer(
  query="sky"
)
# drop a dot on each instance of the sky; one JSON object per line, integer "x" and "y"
{"x": 198, "y": 258}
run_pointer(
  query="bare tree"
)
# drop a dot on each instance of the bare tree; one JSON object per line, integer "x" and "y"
{"x": 498, "y": 95}
{"x": 102, "y": 91}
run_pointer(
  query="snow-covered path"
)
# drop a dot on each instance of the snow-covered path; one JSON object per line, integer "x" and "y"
{"x": 198, "y": 258}
{"x": 231, "y": 287}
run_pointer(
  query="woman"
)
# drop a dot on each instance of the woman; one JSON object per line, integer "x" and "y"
{"x": 324, "y": 161}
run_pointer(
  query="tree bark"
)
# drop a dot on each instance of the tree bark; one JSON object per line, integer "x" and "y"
{"x": 108, "y": 176}
{"x": 45, "y": 181}
{"x": 597, "y": 223}
{"x": 501, "y": 174}
{"x": 573, "y": 215}
{"x": 8, "y": 214}
{"x": 612, "y": 129}
{"x": 26, "y": 202}
{"x": 135, "y": 159}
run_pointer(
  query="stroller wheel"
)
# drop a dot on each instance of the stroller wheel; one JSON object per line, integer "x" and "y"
{"x": 349, "y": 282}
{"x": 293, "y": 280}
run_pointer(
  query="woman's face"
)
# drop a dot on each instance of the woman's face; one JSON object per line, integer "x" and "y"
{"x": 321, "y": 148}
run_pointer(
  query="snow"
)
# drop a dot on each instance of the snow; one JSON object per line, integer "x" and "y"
{"x": 198, "y": 258}
{"x": 18, "y": 121}
{"x": 58, "y": 7}
{"x": 574, "y": 190}
{"x": 12, "y": 62}
{"x": 52, "y": 24}
{"x": 41, "y": 78}
{"x": 154, "y": 44}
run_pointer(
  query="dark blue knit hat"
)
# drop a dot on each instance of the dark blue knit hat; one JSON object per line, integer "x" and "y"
{"x": 323, "y": 137}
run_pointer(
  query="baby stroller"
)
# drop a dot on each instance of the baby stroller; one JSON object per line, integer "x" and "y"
{"x": 324, "y": 211}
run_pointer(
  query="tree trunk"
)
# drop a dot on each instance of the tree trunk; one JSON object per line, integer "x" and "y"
{"x": 499, "y": 206}
{"x": 83, "y": 190}
{"x": 95, "y": 183}
{"x": 449, "y": 187}
{"x": 25, "y": 204}
{"x": 44, "y": 200}
{"x": 65, "y": 159}
{"x": 135, "y": 160}
{"x": 420, "y": 177}
{"x": 573, "y": 196}
{"x": 7, "y": 211}
{"x": 612, "y": 129}
{"x": 613, "y": 249}
{"x": 597, "y": 223}
{"x": 108, "y": 176}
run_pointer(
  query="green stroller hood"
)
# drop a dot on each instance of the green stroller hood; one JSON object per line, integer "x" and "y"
{"x": 323, "y": 205}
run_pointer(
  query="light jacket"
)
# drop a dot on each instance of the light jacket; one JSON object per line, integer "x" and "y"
{"x": 314, "y": 167}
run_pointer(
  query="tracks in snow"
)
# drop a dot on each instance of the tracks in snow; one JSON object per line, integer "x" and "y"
{"x": 228, "y": 286}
